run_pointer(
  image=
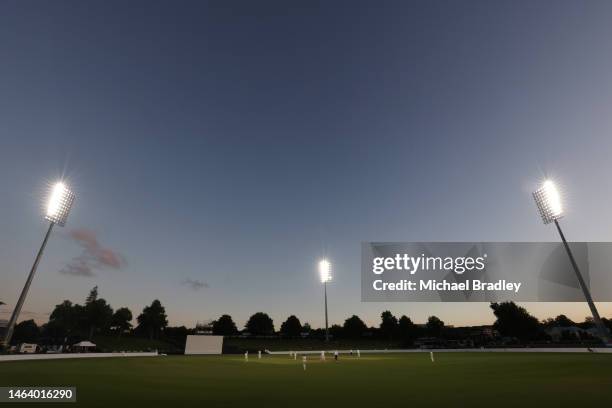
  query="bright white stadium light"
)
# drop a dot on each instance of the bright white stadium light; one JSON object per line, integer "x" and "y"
{"x": 58, "y": 208}
{"x": 325, "y": 270}
{"x": 548, "y": 200}
{"x": 549, "y": 205}
{"x": 325, "y": 274}
{"x": 59, "y": 205}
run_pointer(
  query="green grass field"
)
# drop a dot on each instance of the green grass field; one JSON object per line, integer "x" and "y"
{"x": 395, "y": 380}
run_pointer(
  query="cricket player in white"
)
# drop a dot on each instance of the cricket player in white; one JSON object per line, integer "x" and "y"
{"x": 304, "y": 362}
{"x": 246, "y": 355}
{"x": 259, "y": 354}
{"x": 322, "y": 355}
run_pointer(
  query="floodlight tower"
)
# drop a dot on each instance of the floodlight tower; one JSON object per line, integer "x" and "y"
{"x": 58, "y": 208}
{"x": 325, "y": 273}
{"x": 548, "y": 200}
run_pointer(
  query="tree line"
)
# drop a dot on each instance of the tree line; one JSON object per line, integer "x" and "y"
{"x": 512, "y": 321}
{"x": 70, "y": 321}
{"x": 260, "y": 324}
{"x": 96, "y": 316}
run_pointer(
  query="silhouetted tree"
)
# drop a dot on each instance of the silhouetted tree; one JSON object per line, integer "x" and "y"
{"x": 335, "y": 331}
{"x": 176, "y": 335}
{"x": 354, "y": 327}
{"x": 224, "y": 326}
{"x": 607, "y": 323}
{"x": 121, "y": 320}
{"x": 563, "y": 321}
{"x": 65, "y": 319}
{"x": 260, "y": 324}
{"x": 153, "y": 319}
{"x": 388, "y": 324}
{"x": 587, "y": 323}
{"x": 26, "y": 331}
{"x": 407, "y": 330}
{"x": 93, "y": 295}
{"x": 434, "y": 326}
{"x": 98, "y": 313}
{"x": 291, "y": 327}
{"x": 514, "y": 321}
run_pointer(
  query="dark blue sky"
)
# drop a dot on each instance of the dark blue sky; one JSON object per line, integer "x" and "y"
{"x": 234, "y": 143}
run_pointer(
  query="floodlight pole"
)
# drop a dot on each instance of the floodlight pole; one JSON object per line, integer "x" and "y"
{"x": 603, "y": 330}
{"x": 326, "y": 328}
{"x": 26, "y": 288}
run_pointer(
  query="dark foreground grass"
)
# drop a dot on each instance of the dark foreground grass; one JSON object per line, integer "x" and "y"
{"x": 397, "y": 380}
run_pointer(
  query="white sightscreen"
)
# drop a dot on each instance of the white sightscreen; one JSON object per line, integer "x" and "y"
{"x": 204, "y": 345}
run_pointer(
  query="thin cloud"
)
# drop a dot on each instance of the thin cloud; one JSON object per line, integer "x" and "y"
{"x": 78, "y": 267}
{"x": 94, "y": 255}
{"x": 195, "y": 284}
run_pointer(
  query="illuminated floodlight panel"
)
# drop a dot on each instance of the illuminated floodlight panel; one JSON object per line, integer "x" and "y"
{"x": 325, "y": 270}
{"x": 548, "y": 200}
{"x": 60, "y": 202}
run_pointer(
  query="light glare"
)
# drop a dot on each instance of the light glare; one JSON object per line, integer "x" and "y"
{"x": 54, "y": 200}
{"x": 325, "y": 270}
{"x": 60, "y": 202}
{"x": 548, "y": 200}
